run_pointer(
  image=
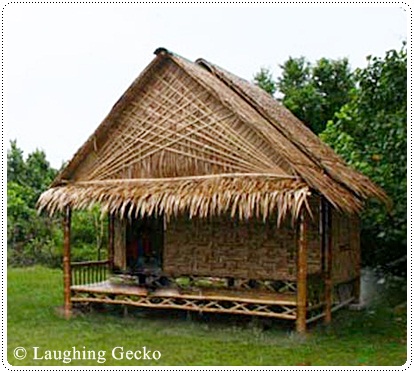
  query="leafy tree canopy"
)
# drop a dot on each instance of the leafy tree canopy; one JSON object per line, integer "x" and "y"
{"x": 313, "y": 92}
{"x": 264, "y": 80}
{"x": 15, "y": 164}
{"x": 370, "y": 132}
{"x": 33, "y": 238}
{"x": 363, "y": 116}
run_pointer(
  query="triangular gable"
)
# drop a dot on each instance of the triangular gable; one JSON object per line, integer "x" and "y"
{"x": 172, "y": 126}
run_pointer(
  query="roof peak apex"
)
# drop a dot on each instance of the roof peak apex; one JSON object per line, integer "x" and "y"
{"x": 162, "y": 50}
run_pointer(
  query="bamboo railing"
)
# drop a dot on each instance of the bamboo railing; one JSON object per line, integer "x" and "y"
{"x": 84, "y": 273}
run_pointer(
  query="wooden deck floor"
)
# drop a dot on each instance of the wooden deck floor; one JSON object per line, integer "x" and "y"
{"x": 220, "y": 300}
{"x": 244, "y": 302}
{"x": 246, "y": 296}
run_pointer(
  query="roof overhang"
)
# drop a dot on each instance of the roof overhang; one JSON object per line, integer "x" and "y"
{"x": 311, "y": 164}
{"x": 240, "y": 195}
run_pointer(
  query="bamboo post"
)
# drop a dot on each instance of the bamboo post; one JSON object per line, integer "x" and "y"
{"x": 301, "y": 274}
{"x": 356, "y": 226}
{"x": 111, "y": 241}
{"x": 66, "y": 262}
{"x": 327, "y": 233}
{"x": 322, "y": 233}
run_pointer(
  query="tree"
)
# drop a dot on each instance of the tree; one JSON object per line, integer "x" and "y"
{"x": 264, "y": 80}
{"x": 30, "y": 238}
{"x": 89, "y": 234}
{"x": 39, "y": 174}
{"x": 370, "y": 133}
{"x": 33, "y": 238}
{"x": 18, "y": 213}
{"x": 314, "y": 93}
{"x": 15, "y": 164}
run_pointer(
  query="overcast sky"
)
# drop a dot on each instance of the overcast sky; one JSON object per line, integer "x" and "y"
{"x": 66, "y": 65}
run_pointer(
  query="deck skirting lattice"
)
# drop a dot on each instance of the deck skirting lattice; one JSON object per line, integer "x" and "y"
{"x": 270, "y": 305}
{"x": 199, "y": 305}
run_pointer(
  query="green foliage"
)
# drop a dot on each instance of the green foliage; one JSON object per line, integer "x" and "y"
{"x": 30, "y": 238}
{"x": 264, "y": 80}
{"x": 363, "y": 116}
{"x": 89, "y": 236}
{"x": 314, "y": 93}
{"x": 39, "y": 174}
{"x": 370, "y": 132}
{"x": 33, "y": 238}
{"x": 18, "y": 212}
{"x": 16, "y": 170}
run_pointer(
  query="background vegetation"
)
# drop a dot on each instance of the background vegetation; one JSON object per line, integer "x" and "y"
{"x": 38, "y": 239}
{"x": 362, "y": 114}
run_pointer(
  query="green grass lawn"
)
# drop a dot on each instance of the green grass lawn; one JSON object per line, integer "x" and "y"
{"x": 376, "y": 336}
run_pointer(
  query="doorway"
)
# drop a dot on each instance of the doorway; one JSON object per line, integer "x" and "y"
{"x": 144, "y": 244}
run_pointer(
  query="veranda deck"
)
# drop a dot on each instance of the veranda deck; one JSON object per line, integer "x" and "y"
{"x": 246, "y": 302}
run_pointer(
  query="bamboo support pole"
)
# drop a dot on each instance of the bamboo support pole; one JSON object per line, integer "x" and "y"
{"x": 66, "y": 262}
{"x": 357, "y": 284}
{"x": 302, "y": 263}
{"x": 357, "y": 289}
{"x": 111, "y": 241}
{"x": 322, "y": 233}
{"x": 327, "y": 233}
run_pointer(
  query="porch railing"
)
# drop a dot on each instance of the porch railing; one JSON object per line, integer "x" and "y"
{"x": 89, "y": 272}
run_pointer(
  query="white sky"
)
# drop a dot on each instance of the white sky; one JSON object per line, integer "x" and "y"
{"x": 66, "y": 65}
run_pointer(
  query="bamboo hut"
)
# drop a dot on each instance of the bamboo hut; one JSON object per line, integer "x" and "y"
{"x": 218, "y": 199}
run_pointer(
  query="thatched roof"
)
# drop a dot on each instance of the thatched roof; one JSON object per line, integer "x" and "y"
{"x": 192, "y": 137}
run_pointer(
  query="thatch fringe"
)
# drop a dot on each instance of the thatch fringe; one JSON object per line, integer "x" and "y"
{"x": 243, "y": 196}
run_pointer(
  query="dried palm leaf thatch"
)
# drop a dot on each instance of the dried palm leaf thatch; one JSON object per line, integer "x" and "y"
{"x": 301, "y": 136}
{"x": 193, "y": 137}
{"x": 314, "y": 161}
{"x": 241, "y": 195}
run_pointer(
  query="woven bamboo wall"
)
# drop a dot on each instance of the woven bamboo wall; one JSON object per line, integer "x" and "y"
{"x": 313, "y": 234}
{"x": 224, "y": 247}
{"x": 346, "y": 247}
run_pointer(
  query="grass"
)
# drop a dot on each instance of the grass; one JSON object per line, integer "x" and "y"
{"x": 376, "y": 336}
